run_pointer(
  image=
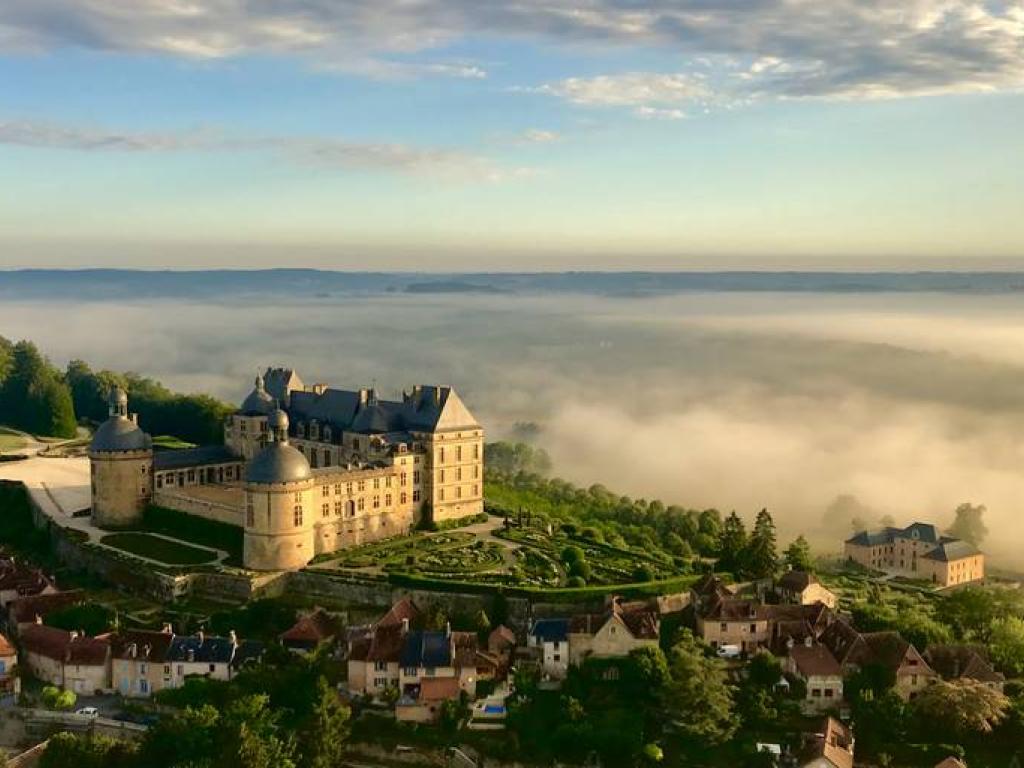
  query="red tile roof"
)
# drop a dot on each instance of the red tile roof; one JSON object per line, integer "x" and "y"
{"x": 313, "y": 628}
{"x": 815, "y": 660}
{"x": 6, "y": 649}
{"x": 403, "y": 609}
{"x": 25, "y": 609}
{"x": 439, "y": 689}
{"x": 88, "y": 651}
{"x": 46, "y": 641}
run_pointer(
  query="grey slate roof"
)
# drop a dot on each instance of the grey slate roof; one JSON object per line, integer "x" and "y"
{"x": 192, "y": 457}
{"x": 550, "y": 630}
{"x": 210, "y": 650}
{"x": 427, "y": 649}
{"x": 955, "y": 549}
{"x": 259, "y": 402}
{"x": 278, "y": 463}
{"x": 873, "y": 538}
{"x": 427, "y": 408}
{"x": 119, "y": 433}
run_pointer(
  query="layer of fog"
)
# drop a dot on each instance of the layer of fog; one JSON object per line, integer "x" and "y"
{"x": 910, "y": 404}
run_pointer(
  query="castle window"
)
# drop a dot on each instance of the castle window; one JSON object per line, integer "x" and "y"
{"x": 362, "y": 504}
{"x": 250, "y": 514}
{"x": 441, "y": 476}
{"x": 337, "y": 489}
{"x": 404, "y": 497}
{"x": 387, "y": 481}
{"x": 440, "y": 456}
{"x": 458, "y": 473}
{"x": 337, "y": 509}
{"x": 376, "y": 502}
{"x": 326, "y": 490}
{"x": 440, "y": 494}
{"x": 476, "y": 471}
{"x": 298, "y": 496}
{"x": 327, "y": 458}
{"x": 416, "y": 495}
{"x": 355, "y": 443}
{"x": 458, "y": 491}
{"x": 416, "y": 477}
{"x": 376, "y": 483}
{"x": 405, "y": 478}
{"x": 159, "y": 480}
{"x": 325, "y": 510}
{"x": 348, "y": 489}
{"x": 476, "y": 491}
{"x": 458, "y": 453}
{"x": 476, "y": 452}
{"x": 362, "y": 486}
{"x": 387, "y": 500}
{"x": 298, "y": 515}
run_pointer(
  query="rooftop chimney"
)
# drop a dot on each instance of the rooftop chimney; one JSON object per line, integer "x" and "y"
{"x": 201, "y": 636}
{"x": 167, "y": 629}
{"x": 233, "y": 638}
{"x": 405, "y": 626}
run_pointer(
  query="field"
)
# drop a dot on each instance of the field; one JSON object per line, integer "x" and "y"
{"x": 159, "y": 549}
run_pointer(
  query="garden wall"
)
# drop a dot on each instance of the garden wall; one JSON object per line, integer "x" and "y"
{"x": 211, "y": 510}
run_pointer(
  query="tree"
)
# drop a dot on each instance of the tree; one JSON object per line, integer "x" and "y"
{"x": 969, "y": 524}
{"x": 34, "y": 396}
{"x": 85, "y": 751}
{"x": 323, "y": 742}
{"x": 697, "y": 698}
{"x": 1006, "y": 644}
{"x": 798, "y": 555}
{"x": 761, "y": 558}
{"x": 732, "y": 544}
{"x": 57, "y": 698}
{"x": 961, "y": 707}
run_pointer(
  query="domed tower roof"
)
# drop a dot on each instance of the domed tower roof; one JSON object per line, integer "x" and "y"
{"x": 278, "y": 462}
{"x": 119, "y": 433}
{"x": 258, "y": 402}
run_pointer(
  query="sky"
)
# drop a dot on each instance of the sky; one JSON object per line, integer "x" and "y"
{"x": 476, "y": 135}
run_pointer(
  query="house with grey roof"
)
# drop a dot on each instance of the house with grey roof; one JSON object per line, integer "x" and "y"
{"x": 918, "y": 551}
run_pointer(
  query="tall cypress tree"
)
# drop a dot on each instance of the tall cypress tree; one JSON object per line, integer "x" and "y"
{"x": 761, "y": 558}
{"x": 732, "y": 544}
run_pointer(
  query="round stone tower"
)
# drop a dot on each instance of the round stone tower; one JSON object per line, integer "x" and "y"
{"x": 278, "y": 504}
{"x": 121, "y": 464}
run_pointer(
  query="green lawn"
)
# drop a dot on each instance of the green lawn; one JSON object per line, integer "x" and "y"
{"x": 10, "y": 441}
{"x": 194, "y": 530}
{"x": 171, "y": 442}
{"x": 162, "y": 550}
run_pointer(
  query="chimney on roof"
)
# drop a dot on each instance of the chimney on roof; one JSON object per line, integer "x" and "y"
{"x": 133, "y": 650}
{"x": 146, "y": 650}
{"x": 167, "y": 629}
{"x": 405, "y": 626}
{"x": 809, "y": 641}
{"x": 364, "y": 395}
{"x": 233, "y": 638}
{"x": 447, "y": 629}
{"x": 201, "y": 636}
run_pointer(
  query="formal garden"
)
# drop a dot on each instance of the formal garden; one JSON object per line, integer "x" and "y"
{"x": 159, "y": 548}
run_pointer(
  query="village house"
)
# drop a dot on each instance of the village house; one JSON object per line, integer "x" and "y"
{"x": 964, "y": 662}
{"x": 549, "y": 640}
{"x": 139, "y": 665}
{"x": 200, "y": 655}
{"x": 28, "y": 610}
{"x": 67, "y": 659}
{"x": 374, "y": 652}
{"x": 919, "y": 552}
{"x": 831, "y": 748}
{"x": 820, "y": 672}
{"x": 310, "y": 631}
{"x": 803, "y": 588}
{"x": 623, "y": 628}
{"x": 20, "y": 580}
{"x": 855, "y": 650}
{"x": 10, "y": 683}
{"x": 735, "y": 621}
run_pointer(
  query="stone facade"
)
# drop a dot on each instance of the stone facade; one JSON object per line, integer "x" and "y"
{"x": 121, "y": 486}
{"x": 919, "y": 552}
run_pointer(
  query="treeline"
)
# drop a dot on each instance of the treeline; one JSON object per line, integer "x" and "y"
{"x": 512, "y": 482}
{"x": 37, "y": 397}
{"x": 33, "y": 394}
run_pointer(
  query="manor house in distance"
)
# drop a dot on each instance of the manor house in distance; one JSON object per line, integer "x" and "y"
{"x": 303, "y": 470}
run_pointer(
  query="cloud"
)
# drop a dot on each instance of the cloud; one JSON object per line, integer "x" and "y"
{"x": 843, "y": 49}
{"x": 640, "y": 89}
{"x": 654, "y": 113}
{"x": 538, "y": 136}
{"x": 322, "y": 153}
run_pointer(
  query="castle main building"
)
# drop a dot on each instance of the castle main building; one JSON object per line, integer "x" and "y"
{"x": 303, "y": 470}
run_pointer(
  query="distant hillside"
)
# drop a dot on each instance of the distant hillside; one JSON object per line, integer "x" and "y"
{"x": 123, "y": 285}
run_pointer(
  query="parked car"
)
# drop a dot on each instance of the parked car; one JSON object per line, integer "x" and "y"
{"x": 88, "y": 712}
{"x": 729, "y": 651}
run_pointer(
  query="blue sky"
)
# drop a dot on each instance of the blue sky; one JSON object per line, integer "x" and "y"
{"x": 449, "y": 134}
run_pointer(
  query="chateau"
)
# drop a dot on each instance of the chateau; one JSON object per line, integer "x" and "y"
{"x": 919, "y": 552}
{"x": 304, "y": 470}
